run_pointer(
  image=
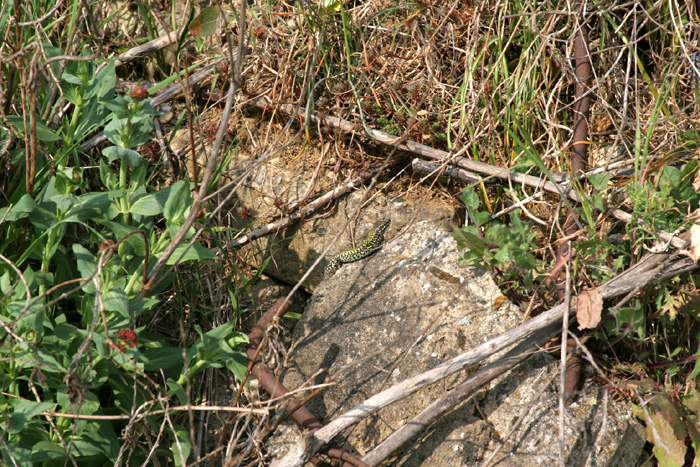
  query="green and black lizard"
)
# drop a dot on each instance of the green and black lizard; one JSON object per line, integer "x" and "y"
{"x": 370, "y": 245}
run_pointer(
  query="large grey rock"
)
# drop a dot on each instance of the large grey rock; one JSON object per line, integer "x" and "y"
{"x": 408, "y": 308}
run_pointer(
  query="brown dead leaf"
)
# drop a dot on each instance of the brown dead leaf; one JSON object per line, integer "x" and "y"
{"x": 498, "y": 302}
{"x": 589, "y": 307}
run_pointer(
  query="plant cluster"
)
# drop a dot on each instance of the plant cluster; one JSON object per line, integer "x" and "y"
{"x": 80, "y": 369}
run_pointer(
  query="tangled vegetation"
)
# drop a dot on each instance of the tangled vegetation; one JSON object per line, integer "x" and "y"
{"x": 109, "y": 326}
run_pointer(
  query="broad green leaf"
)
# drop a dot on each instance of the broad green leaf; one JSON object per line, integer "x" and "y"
{"x": 107, "y": 176}
{"x": 103, "y": 83}
{"x": 152, "y": 204}
{"x": 121, "y": 231}
{"x": 177, "y": 204}
{"x": 115, "y": 131}
{"x": 468, "y": 240}
{"x": 87, "y": 264}
{"x": 471, "y": 200}
{"x": 238, "y": 339}
{"x": 90, "y": 206}
{"x": 147, "y": 205}
{"x": 15, "y": 455}
{"x": 161, "y": 358}
{"x": 43, "y": 133}
{"x": 139, "y": 305}
{"x": 205, "y": 24}
{"x": 237, "y": 363}
{"x": 48, "y": 361}
{"x": 113, "y": 153}
{"x": 331, "y": 6}
{"x": 119, "y": 107}
{"x": 666, "y": 431}
{"x": 116, "y": 300}
{"x": 182, "y": 446}
{"x": 176, "y": 388}
{"x": 86, "y": 447}
{"x": 71, "y": 78}
{"x": 196, "y": 252}
{"x": 20, "y": 210}
{"x": 65, "y": 334}
{"x": 209, "y": 343}
{"x": 46, "y": 450}
{"x": 24, "y": 411}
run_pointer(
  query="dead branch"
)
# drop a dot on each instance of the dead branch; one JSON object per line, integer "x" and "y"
{"x": 450, "y": 400}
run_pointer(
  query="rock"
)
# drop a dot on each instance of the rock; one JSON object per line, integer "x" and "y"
{"x": 409, "y": 307}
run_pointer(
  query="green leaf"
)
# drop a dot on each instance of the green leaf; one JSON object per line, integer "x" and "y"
{"x": 15, "y": 455}
{"x": 121, "y": 231}
{"x": 175, "y": 388}
{"x": 161, "y": 358}
{"x": 113, "y": 153}
{"x": 179, "y": 201}
{"x": 481, "y": 218}
{"x": 139, "y": 305}
{"x": 471, "y": 200}
{"x": 331, "y": 6}
{"x": 71, "y": 78}
{"x": 196, "y": 252}
{"x": 115, "y": 131}
{"x": 148, "y": 205}
{"x": 43, "y": 133}
{"x": 467, "y": 239}
{"x": 46, "y": 450}
{"x": 696, "y": 371}
{"x": 119, "y": 107}
{"x": 238, "y": 339}
{"x": 24, "y": 411}
{"x": 152, "y": 204}
{"x": 599, "y": 181}
{"x": 205, "y": 24}
{"x": 116, "y": 300}
{"x": 86, "y": 447}
{"x": 632, "y": 317}
{"x": 107, "y": 176}
{"x": 87, "y": 264}
{"x": 48, "y": 360}
{"x": 103, "y": 84}
{"x": 666, "y": 430}
{"x": 90, "y": 206}
{"x": 140, "y": 131}
{"x": 25, "y": 206}
{"x": 504, "y": 254}
{"x": 89, "y": 405}
{"x": 182, "y": 446}
{"x": 208, "y": 346}
{"x": 237, "y": 363}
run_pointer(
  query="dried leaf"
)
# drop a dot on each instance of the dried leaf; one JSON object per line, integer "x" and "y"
{"x": 498, "y": 302}
{"x": 204, "y": 25}
{"x": 589, "y": 307}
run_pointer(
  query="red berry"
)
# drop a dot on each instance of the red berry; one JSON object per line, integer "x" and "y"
{"x": 139, "y": 93}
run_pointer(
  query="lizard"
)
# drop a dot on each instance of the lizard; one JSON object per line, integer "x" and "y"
{"x": 372, "y": 243}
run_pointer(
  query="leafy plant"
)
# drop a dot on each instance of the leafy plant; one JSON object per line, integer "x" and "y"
{"x": 505, "y": 248}
{"x": 75, "y": 260}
